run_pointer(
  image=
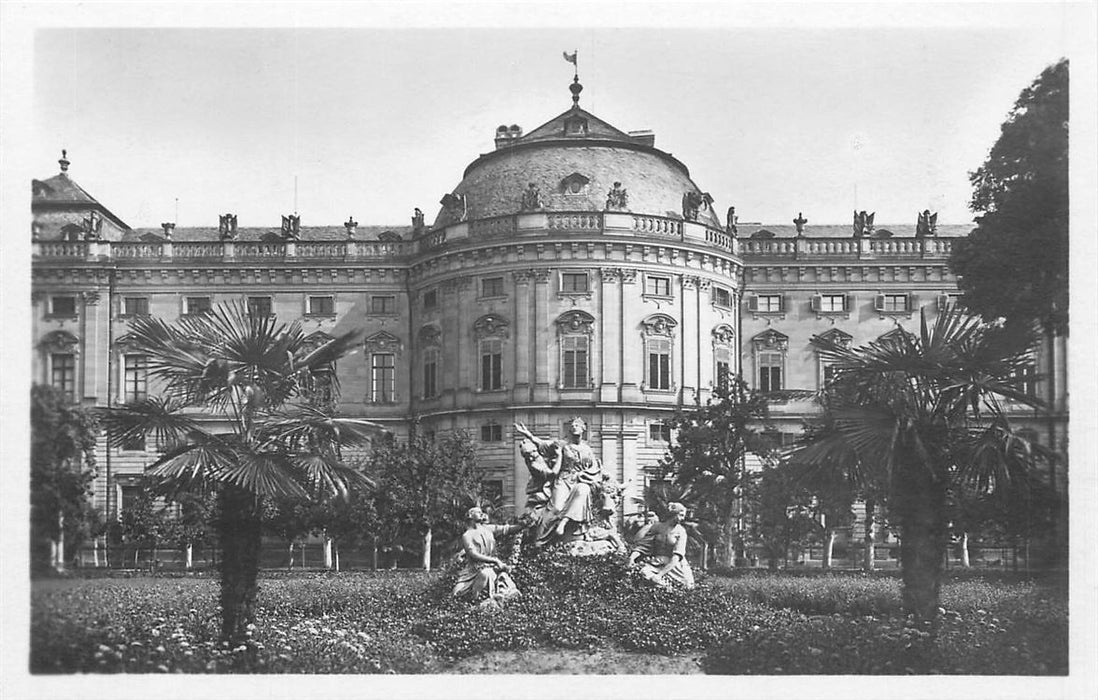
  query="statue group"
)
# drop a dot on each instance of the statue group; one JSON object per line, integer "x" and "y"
{"x": 570, "y": 502}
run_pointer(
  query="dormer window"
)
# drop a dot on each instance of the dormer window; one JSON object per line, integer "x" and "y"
{"x": 574, "y": 184}
{"x": 575, "y": 126}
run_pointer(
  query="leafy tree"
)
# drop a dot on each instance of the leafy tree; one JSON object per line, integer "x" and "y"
{"x": 915, "y": 416}
{"x": 708, "y": 457}
{"x": 1015, "y": 263}
{"x": 248, "y": 372}
{"x": 427, "y": 484}
{"x": 779, "y": 512}
{"x": 146, "y": 524}
{"x": 62, "y": 469}
{"x": 192, "y": 524}
{"x": 289, "y": 519}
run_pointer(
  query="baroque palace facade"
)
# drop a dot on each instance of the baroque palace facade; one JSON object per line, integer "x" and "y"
{"x": 575, "y": 270}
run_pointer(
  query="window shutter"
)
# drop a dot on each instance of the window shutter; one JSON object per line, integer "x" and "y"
{"x": 943, "y": 301}
{"x": 783, "y": 302}
{"x": 753, "y": 302}
{"x": 879, "y": 302}
{"x": 912, "y": 301}
{"x": 816, "y": 301}
{"x": 848, "y": 302}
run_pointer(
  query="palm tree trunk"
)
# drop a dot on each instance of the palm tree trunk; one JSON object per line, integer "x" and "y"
{"x": 239, "y": 527}
{"x": 921, "y": 510}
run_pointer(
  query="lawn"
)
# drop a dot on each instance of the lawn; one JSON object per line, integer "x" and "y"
{"x": 575, "y": 617}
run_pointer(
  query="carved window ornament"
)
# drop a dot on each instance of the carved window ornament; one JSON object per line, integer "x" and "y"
{"x": 771, "y": 339}
{"x": 723, "y": 335}
{"x": 429, "y": 336}
{"x": 315, "y": 340}
{"x": 576, "y": 183}
{"x": 575, "y": 322}
{"x": 491, "y": 326}
{"x": 659, "y": 325}
{"x": 389, "y": 237}
{"x": 837, "y": 337}
{"x": 383, "y": 342}
{"x": 60, "y": 341}
{"x": 896, "y": 335}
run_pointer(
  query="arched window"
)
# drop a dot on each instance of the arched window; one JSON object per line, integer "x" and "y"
{"x": 60, "y": 349}
{"x": 658, "y": 331}
{"x": 382, "y": 349}
{"x": 574, "y": 331}
{"x": 430, "y": 339}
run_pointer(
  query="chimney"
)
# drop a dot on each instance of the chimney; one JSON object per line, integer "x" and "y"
{"x": 507, "y": 135}
{"x": 168, "y": 228}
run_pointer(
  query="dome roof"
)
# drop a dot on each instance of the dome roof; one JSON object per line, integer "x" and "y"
{"x": 573, "y": 160}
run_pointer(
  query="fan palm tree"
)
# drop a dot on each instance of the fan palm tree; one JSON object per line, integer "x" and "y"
{"x": 233, "y": 414}
{"x": 916, "y": 414}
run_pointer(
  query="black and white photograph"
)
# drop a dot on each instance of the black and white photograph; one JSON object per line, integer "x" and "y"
{"x": 550, "y": 350}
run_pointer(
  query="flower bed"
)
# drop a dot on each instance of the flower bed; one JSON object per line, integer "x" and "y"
{"x": 406, "y": 623}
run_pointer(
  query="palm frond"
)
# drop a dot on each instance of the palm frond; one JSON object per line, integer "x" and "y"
{"x": 156, "y": 416}
{"x": 264, "y": 474}
{"x": 308, "y": 426}
{"x": 191, "y": 465}
{"x": 329, "y": 476}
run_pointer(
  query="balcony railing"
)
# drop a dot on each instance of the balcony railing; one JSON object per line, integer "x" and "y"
{"x": 209, "y": 251}
{"x": 824, "y": 249}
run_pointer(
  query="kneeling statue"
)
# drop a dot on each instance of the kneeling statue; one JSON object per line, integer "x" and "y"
{"x": 483, "y": 571}
{"x": 660, "y": 550}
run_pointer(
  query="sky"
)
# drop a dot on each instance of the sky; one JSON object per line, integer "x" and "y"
{"x": 373, "y": 122}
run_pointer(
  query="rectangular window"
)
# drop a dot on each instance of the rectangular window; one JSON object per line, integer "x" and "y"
{"x": 574, "y": 361}
{"x": 259, "y": 306}
{"x": 63, "y": 306}
{"x": 135, "y": 443}
{"x": 829, "y": 374}
{"x": 573, "y": 282}
{"x": 135, "y": 306}
{"x": 63, "y": 373}
{"x": 383, "y": 305}
{"x": 1026, "y": 379}
{"x": 659, "y": 364}
{"x": 196, "y": 305}
{"x": 892, "y": 303}
{"x": 770, "y": 371}
{"x": 321, "y": 306}
{"x": 659, "y": 432}
{"x": 491, "y": 365}
{"x": 135, "y": 382}
{"x": 430, "y": 374}
{"x": 722, "y": 297}
{"x": 491, "y": 287}
{"x": 491, "y": 432}
{"x": 769, "y": 303}
{"x": 723, "y": 358}
{"x": 832, "y": 303}
{"x": 383, "y": 377}
{"x": 430, "y": 299}
{"x": 657, "y": 286}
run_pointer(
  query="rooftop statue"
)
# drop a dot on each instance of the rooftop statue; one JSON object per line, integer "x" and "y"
{"x": 226, "y": 226}
{"x": 531, "y": 198}
{"x": 927, "y": 224}
{"x": 863, "y": 223}
{"x": 617, "y": 198}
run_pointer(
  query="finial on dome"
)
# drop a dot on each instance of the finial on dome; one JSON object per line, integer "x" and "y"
{"x": 576, "y": 89}
{"x": 64, "y": 161}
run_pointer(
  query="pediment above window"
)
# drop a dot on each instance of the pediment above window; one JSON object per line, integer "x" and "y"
{"x": 491, "y": 326}
{"x": 389, "y": 236}
{"x": 659, "y": 324}
{"x": 383, "y": 342}
{"x": 575, "y": 322}
{"x": 771, "y": 339}
{"x": 896, "y": 335}
{"x": 315, "y": 340}
{"x": 59, "y": 341}
{"x": 429, "y": 336}
{"x": 837, "y": 337}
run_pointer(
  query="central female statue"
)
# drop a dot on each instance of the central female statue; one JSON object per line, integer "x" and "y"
{"x": 572, "y": 500}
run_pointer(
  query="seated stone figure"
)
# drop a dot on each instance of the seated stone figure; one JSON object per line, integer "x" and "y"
{"x": 483, "y": 571}
{"x": 601, "y": 535}
{"x": 660, "y": 550}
